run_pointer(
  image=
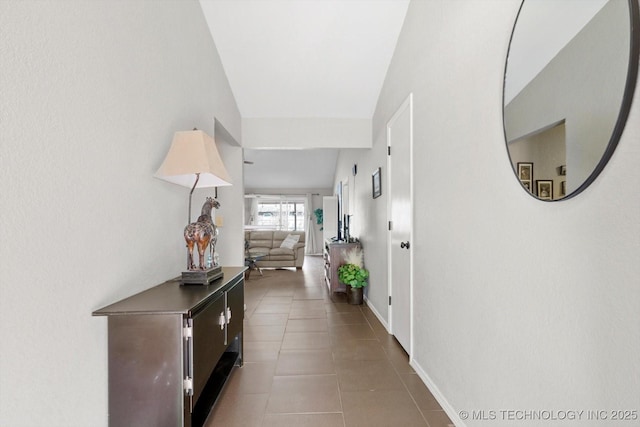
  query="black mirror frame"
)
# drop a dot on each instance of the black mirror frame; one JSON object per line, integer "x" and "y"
{"x": 625, "y": 107}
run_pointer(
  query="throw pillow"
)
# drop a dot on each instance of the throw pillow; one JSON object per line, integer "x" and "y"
{"x": 290, "y": 241}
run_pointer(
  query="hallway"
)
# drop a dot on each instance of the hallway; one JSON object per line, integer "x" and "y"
{"x": 311, "y": 360}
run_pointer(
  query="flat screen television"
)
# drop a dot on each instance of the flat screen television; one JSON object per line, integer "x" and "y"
{"x": 339, "y": 197}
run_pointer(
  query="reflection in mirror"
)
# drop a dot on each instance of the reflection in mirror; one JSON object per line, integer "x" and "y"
{"x": 569, "y": 79}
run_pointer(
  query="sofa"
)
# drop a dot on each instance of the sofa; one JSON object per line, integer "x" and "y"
{"x": 268, "y": 242}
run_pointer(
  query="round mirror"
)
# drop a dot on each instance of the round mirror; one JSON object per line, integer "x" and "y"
{"x": 569, "y": 79}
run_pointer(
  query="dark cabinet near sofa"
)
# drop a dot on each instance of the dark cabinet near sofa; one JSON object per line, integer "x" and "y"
{"x": 171, "y": 349}
{"x": 334, "y": 254}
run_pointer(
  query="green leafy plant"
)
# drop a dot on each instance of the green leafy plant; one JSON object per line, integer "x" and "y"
{"x": 353, "y": 275}
{"x": 319, "y": 217}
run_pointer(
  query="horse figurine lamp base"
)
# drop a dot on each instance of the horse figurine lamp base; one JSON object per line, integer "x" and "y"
{"x": 202, "y": 234}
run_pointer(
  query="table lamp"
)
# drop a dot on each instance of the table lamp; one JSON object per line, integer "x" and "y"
{"x": 193, "y": 161}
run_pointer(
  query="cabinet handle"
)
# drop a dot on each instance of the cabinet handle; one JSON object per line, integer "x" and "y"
{"x": 228, "y": 315}
{"x": 404, "y": 245}
{"x": 222, "y": 321}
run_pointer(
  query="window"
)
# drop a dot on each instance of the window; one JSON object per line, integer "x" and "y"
{"x": 281, "y": 214}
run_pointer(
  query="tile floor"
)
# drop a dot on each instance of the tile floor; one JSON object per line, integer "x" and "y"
{"x": 312, "y": 360}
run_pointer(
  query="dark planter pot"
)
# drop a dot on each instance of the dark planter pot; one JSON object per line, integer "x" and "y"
{"x": 354, "y": 295}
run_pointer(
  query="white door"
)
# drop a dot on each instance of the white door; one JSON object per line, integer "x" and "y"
{"x": 400, "y": 165}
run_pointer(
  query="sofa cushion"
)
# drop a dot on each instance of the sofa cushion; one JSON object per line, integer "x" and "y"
{"x": 281, "y": 254}
{"x": 290, "y": 241}
{"x": 259, "y": 250}
{"x": 263, "y": 239}
{"x": 279, "y": 236}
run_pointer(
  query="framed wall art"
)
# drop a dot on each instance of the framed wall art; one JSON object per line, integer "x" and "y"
{"x": 376, "y": 186}
{"x": 525, "y": 174}
{"x": 525, "y": 171}
{"x": 544, "y": 189}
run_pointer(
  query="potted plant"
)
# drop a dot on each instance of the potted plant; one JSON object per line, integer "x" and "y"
{"x": 319, "y": 217}
{"x": 354, "y": 276}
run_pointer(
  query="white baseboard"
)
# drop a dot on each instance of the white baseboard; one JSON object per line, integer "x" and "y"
{"x": 377, "y": 314}
{"x": 444, "y": 403}
{"x": 448, "y": 409}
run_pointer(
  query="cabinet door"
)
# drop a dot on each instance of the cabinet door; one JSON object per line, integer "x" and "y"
{"x": 235, "y": 310}
{"x": 208, "y": 342}
{"x": 337, "y": 260}
{"x": 145, "y": 370}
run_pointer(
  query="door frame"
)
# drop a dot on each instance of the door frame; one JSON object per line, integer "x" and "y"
{"x": 407, "y": 103}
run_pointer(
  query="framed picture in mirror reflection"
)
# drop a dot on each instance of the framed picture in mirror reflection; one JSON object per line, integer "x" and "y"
{"x": 525, "y": 173}
{"x": 544, "y": 189}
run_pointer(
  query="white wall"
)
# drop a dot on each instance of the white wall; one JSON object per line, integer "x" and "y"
{"x": 520, "y": 304}
{"x": 90, "y": 96}
{"x": 230, "y": 244}
{"x": 369, "y": 217}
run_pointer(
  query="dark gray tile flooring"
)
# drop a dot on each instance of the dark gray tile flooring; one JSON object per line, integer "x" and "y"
{"x": 312, "y": 360}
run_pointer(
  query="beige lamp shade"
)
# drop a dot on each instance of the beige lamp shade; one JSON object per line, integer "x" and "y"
{"x": 193, "y": 152}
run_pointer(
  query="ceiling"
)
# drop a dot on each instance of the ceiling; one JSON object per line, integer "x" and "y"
{"x": 303, "y": 59}
{"x": 291, "y": 169}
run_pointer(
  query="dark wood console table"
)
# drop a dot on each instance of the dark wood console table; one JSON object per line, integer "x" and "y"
{"x": 171, "y": 349}
{"x": 334, "y": 256}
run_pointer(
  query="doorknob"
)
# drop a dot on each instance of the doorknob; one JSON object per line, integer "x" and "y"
{"x": 404, "y": 245}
